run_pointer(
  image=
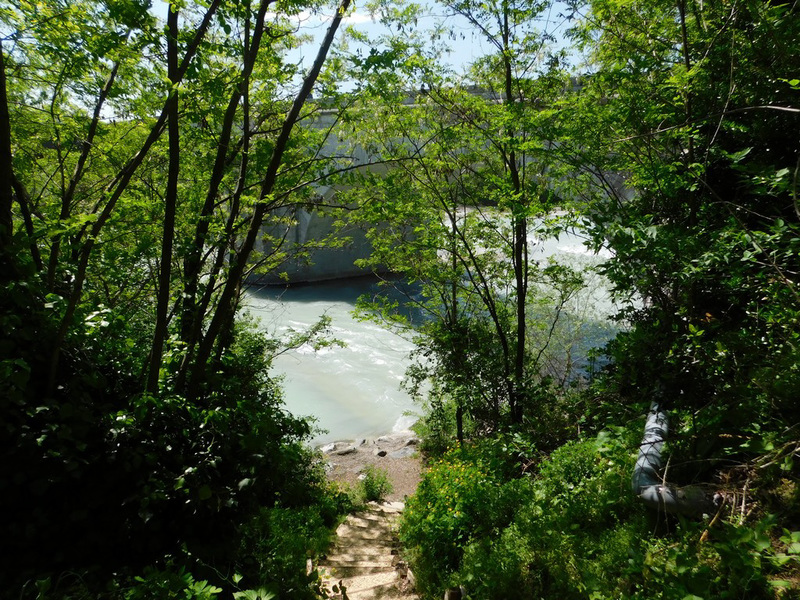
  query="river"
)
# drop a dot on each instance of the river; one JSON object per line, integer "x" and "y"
{"x": 354, "y": 391}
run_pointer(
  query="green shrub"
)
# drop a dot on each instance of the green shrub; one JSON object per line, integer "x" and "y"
{"x": 574, "y": 530}
{"x": 563, "y": 538}
{"x": 276, "y": 546}
{"x": 375, "y": 485}
{"x": 169, "y": 583}
{"x": 460, "y": 497}
{"x": 142, "y": 481}
{"x": 498, "y": 566}
{"x": 732, "y": 563}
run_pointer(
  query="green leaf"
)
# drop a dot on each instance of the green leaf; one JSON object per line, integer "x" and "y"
{"x": 259, "y": 594}
{"x": 738, "y": 156}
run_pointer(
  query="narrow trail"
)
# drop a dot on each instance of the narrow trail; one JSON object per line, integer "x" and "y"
{"x": 364, "y": 557}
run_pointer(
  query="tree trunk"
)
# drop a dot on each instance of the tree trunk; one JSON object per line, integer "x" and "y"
{"x": 68, "y": 196}
{"x": 192, "y": 314}
{"x": 6, "y": 177}
{"x": 23, "y": 199}
{"x": 170, "y": 205}
{"x": 114, "y": 190}
{"x": 520, "y": 237}
{"x": 223, "y": 316}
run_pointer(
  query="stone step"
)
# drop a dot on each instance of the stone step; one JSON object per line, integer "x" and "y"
{"x": 367, "y": 587}
{"x": 364, "y": 548}
{"x": 363, "y": 533}
{"x": 369, "y": 521}
{"x": 345, "y": 551}
{"x": 359, "y": 560}
{"x": 366, "y": 565}
{"x": 384, "y": 528}
{"x": 364, "y": 557}
{"x": 374, "y": 514}
{"x": 387, "y": 508}
{"x": 349, "y": 572}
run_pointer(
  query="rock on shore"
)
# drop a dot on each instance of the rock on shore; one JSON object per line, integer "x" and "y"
{"x": 397, "y": 453}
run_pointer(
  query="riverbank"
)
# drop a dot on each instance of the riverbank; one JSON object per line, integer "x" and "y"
{"x": 397, "y": 453}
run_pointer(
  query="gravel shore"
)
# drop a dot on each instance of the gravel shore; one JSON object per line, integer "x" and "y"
{"x": 397, "y": 453}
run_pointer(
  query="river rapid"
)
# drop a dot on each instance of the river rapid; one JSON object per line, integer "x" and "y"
{"x": 353, "y": 391}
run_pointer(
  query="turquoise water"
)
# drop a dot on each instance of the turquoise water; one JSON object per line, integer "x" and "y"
{"x": 354, "y": 391}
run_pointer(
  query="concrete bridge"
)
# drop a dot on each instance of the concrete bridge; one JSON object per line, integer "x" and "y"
{"x": 337, "y": 260}
{"x": 300, "y": 227}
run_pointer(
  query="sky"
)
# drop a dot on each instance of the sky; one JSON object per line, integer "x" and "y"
{"x": 465, "y": 48}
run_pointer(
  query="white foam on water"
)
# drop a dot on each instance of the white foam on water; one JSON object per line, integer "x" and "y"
{"x": 404, "y": 423}
{"x": 352, "y": 391}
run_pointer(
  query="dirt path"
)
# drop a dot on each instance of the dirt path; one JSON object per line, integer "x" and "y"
{"x": 364, "y": 558}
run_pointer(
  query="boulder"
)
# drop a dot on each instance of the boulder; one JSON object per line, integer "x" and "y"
{"x": 406, "y": 452}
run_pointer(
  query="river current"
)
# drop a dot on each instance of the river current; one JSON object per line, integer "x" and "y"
{"x": 354, "y": 391}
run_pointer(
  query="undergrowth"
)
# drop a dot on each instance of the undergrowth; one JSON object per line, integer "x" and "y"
{"x": 374, "y": 485}
{"x": 571, "y": 528}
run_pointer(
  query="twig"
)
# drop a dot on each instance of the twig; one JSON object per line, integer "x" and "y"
{"x": 713, "y": 522}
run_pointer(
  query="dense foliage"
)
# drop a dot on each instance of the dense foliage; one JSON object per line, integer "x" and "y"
{"x": 568, "y": 527}
{"x": 707, "y": 232}
{"x": 146, "y": 451}
{"x": 678, "y": 148}
{"x": 471, "y": 188}
{"x": 101, "y": 478}
{"x": 148, "y": 166}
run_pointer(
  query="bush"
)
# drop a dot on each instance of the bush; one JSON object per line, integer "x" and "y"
{"x": 460, "y": 497}
{"x": 276, "y": 546}
{"x": 141, "y": 480}
{"x": 567, "y": 512}
{"x": 574, "y": 530}
{"x": 169, "y": 583}
{"x": 374, "y": 486}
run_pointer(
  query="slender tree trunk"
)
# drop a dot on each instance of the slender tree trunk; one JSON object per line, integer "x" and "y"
{"x": 170, "y": 206}
{"x": 113, "y": 192}
{"x": 6, "y": 176}
{"x": 191, "y": 319}
{"x": 194, "y": 311}
{"x": 68, "y": 196}
{"x": 693, "y": 197}
{"x": 23, "y": 199}
{"x": 460, "y": 423}
{"x": 457, "y": 350}
{"x": 223, "y": 316}
{"x": 520, "y": 237}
